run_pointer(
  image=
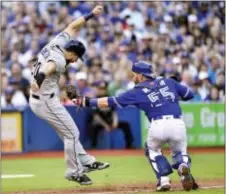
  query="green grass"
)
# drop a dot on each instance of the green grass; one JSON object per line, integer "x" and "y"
{"x": 211, "y": 191}
{"x": 49, "y": 173}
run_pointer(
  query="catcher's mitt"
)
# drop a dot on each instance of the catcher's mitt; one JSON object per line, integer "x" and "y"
{"x": 72, "y": 92}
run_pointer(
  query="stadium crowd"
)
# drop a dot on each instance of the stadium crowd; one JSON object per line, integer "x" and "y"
{"x": 185, "y": 39}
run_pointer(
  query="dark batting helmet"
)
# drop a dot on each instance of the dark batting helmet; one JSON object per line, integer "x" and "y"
{"x": 76, "y": 47}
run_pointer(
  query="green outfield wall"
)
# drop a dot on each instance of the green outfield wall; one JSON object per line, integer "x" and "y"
{"x": 205, "y": 124}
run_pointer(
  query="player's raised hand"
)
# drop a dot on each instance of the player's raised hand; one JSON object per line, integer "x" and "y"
{"x": 98, "y": 9}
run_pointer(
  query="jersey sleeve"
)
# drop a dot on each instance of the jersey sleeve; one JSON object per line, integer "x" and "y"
{"x": 61, "y": 39}
{"x": 58, "y": 59}
{"x": 128, "y": 98}
{"x": 184, "y": 92}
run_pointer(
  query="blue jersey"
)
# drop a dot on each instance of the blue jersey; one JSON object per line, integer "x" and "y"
{"x": 156, "y": 97}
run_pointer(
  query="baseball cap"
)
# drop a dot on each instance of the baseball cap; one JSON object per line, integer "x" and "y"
{"x": 76, "y": 47}
{"x": 203, "y": 75}
{"x": 9, "y": 90}
{"x": 192, "y": 18}
{"x": 185, "y": 55}
{"x": 167, "y": 18}
{"x": 81, "y": 76}
{"x": 176, "y": 60}
{"x": 143, "y": 68}
{"x": 163, "y": 29}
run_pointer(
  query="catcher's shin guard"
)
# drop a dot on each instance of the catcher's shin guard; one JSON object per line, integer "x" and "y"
{"x": 158, "y": 162}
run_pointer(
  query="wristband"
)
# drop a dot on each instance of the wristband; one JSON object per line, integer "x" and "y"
{"x": 93, "y": 103}
{"x": 40, "y": 78}
{"x": 88, "y": 16}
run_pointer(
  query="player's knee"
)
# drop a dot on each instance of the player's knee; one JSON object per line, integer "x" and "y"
{"x": 179, "y": 158}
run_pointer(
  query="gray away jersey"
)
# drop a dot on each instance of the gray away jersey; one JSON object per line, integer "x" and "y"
{"x": 53, "y": 51}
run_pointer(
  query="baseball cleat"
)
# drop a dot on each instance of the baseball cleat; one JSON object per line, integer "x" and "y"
{"x": 82, "y": 180}
{"x": 195, "y": 185}
{"x": 163, "y": 184}
{"x": 186, "y": 178}
{"x": 95, "y": 166}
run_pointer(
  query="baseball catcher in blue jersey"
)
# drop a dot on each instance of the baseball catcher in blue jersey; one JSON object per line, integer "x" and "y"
{"x": 159, "y": 98}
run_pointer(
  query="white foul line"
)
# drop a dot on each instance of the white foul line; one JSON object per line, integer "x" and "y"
{"x": 14, "y": 176}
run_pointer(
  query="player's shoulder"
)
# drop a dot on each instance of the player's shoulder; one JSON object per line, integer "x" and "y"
{"x": 170, "y": 80}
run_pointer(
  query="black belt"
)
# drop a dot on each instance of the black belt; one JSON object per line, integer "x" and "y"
{"x": 166, "y": 117}
{"x": 38, "y": 98}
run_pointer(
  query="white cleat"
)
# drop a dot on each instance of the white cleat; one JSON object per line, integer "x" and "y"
{"x": 96, "y": 166}
{"x": 164, "y": 184}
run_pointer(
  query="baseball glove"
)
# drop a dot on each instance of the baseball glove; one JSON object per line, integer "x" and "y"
{"x": 72, "y": 92}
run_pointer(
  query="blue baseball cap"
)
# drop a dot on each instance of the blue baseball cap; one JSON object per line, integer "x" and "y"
{"x": 185, "y": 55}
{"x": 9, "y": 90}
{"x": 143, "y": 68}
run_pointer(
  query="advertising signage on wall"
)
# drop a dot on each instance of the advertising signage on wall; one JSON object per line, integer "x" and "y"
{"x": 11, "y": 132}
{"x": 204, "y": 122}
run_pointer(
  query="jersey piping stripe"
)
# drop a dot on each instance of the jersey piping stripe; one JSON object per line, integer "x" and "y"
{"x": 186, "y": 93}
{"x": 116, "y": 102}
{"x": 76, "y": 162}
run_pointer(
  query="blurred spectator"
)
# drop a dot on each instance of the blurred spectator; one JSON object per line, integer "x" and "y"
{"x": 214, "y": 95}
{"x": 7, "y": 99}
{"x": 205, "y": 85}
{"x": 197, "y": 96}
{"x": 184, "y": 39}
{"x": 214, "y": 66}
{"x": 16, "y": 73}
{"x": 186, "y": 65}
{"x": 220, "y": 84}
{"x": 107, "y": 119}
{"x": 187, "y": 79}
{"x": 85, "y": 90}
{"x": 13, "y": 96}
{"x": 132, "y": 14}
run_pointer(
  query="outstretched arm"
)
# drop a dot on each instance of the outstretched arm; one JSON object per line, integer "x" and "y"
{"x": 78, "y": 23}
{"x": 126, "y": 99}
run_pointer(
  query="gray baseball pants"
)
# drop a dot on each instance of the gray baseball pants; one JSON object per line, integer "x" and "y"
{"x": 52, "y": 111}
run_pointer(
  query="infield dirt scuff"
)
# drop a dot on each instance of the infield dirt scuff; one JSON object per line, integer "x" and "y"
{"x": 126, "y": 188}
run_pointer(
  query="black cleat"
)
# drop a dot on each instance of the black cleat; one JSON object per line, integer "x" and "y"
{"x": 195, "y": 185}
{"x": 95, "y": 166}
{"x": 186, "y": 177}
{"x": 82, "y": 180}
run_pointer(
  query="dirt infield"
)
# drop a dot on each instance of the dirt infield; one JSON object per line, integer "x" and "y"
{"x": 135, "y": 152}
{"x": 121, "y": 189}
{"x": 132, "y": 188}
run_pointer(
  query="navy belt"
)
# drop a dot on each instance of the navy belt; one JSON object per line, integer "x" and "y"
{"x": 166, "y": 117}
{"x": 38, "y": 98}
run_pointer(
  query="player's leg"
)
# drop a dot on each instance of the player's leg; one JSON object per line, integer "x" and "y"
{"x": 159, "y": 162}
{"x": 49, "y": 112}
{"x": 65, "y": 118}
{"x": 125, "y": 127}
{"x": 181, "y": 160}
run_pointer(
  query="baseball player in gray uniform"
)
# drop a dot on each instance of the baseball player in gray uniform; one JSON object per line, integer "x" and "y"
{"x": 45, "y": 103}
